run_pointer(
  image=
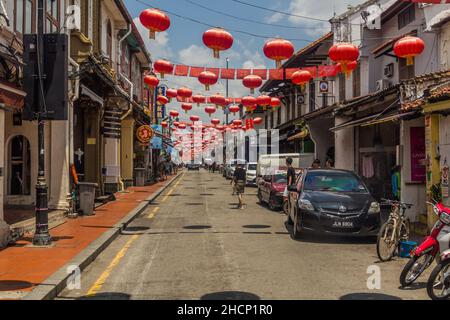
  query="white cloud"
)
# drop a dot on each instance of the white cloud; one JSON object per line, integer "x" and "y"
{"x": 322, "y": 9}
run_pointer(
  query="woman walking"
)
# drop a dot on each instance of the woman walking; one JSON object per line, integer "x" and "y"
{"x": 239, "y": 184}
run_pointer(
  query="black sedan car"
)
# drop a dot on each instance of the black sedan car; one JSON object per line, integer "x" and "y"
{"x": 334, "y": 202}
{"x": 193, "y": 166}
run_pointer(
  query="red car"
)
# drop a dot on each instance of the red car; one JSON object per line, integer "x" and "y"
{"x": 271, "y": 189}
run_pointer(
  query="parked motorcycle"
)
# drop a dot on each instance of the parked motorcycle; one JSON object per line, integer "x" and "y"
{"x": 430, "y": 249}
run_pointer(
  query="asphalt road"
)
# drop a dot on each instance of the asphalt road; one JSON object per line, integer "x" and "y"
{"x": 193, "y": 243}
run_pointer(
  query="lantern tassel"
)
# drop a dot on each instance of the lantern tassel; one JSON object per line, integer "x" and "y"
{"x": 152, "y": 35}
{"x": 344, "y": 67}
{"x": 216, "y": 53}
{"x": 252, "y": 91}
{"x": 347, "y": 74}
{"x": 162, "y": 75}
{"x": 206, "y": 87}
{"x": 409, "y": 60}
{"x": 278, "y": 64}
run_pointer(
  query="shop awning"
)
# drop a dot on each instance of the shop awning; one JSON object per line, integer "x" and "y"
{"x": 374, "y": 119}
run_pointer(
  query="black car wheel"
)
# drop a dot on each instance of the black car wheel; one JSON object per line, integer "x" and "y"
{"x": 272, "y": 203}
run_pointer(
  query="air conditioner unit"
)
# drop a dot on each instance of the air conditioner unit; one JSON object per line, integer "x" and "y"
{"x": 383, "y": 84}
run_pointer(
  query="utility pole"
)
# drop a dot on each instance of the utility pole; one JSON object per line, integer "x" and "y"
{"x": 41, "y": 236}
{"x": 226, "y": 88}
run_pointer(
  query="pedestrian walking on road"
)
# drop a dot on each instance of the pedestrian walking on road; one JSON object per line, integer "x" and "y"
{"x": 239, "y": 184}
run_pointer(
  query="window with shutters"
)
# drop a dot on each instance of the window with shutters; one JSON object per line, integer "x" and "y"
{"x": 405, "y": 71}
{"x": 356, "y": 81}
{"x": 24, "y": 16}
{"x": 407, "y": 16}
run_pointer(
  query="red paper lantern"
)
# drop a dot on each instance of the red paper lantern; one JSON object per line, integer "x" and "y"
{"x": 163, "y": 67}
{"x": 409, "y": 47}
{"x": 234, "y": 109}
{"x": 176, "y": 124}
{"x": 278, "y": 50}
{"x": 344, "y": 53}
{"x": 301, "y": 78}
{"x": 173, "y": 113}
{"x": 164, "y": 124}
{"x": 162, "y": 100}
{"x": 155, "y": 20}
{"x": 171, "y": 93}
{"x": 218, "y": 40}
{"x": 184, "y": 92}
{"x": 275, "y": 102}
{"x": 257, "y": 120}
{"x": 151, "y": 81}
{"x": 252, "y": 81}
{"x": 186, "y": 107}
{"x": 182, "y": 126}
{"x": 194, "y": 118}
{"x": 218, "y": 100}
{"x": 249, "y": 101}
{"x": 198, "y": 99}
{"x": 350, "y": 67}
{"x": 250, "y": 108}
{"x": 210, "y": 110}
{"x": 215, "y": 122}
{"x": 263, "y": 100}
{"x": 208, "y": 78}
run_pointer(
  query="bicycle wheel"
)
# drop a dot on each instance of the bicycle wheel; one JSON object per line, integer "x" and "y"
{"x": 438, "y": 286}
{"x": 387, "y": 241}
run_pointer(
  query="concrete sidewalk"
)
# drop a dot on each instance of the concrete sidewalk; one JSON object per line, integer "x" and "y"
{"x": 28, "y": 272}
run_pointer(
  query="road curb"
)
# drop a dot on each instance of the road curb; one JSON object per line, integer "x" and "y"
{"x": 54, "y": 284}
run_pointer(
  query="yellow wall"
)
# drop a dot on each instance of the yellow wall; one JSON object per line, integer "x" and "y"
{"x": 127, "y": 138}
{"x": 433, "y": 169}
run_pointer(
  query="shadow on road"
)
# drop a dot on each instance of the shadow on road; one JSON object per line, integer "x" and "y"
{"x": 197, "y": 227}
{"x": 230, "y": 295}
{"x": 256, "y": 226}
{"x": 368, "y": 296}
{"x": 107, "y": 296}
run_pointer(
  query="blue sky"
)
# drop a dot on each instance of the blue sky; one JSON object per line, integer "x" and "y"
{"x": 182, "y": 43}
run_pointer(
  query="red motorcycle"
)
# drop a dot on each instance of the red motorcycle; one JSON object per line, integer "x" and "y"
{"x": 430, "y": 249}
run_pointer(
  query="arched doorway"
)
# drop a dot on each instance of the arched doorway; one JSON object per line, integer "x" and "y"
{"x": 19, "y": 178}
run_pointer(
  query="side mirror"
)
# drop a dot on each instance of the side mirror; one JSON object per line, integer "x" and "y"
{"x": 292, "y": 188}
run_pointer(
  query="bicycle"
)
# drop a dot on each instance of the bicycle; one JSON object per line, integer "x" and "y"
{"x": 394, "y": 230}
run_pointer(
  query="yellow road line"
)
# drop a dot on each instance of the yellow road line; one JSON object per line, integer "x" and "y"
{"x": 104, "y": 276}
{"x": 152, "y": 214}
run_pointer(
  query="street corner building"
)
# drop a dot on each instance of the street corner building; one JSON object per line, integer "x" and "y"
{"x": 106, "y": 101}
{"x": 383, "y": 118}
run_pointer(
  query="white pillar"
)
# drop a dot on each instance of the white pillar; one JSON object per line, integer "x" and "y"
{"x": 344, "y": 146}
{"x": 59, "y": 165}
{"x": 4, "y": 228}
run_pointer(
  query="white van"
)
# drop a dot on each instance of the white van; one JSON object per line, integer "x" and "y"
{"x": 269, "y": 163}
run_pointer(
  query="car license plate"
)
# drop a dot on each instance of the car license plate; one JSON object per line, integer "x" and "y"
{"x": 343, "y": 224}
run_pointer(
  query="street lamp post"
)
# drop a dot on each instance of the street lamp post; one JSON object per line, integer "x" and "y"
{"x": 41, "y": 236}
{"x": 226, "y": 93}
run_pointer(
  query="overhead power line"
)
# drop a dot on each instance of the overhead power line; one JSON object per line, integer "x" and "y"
{"x": 246, "y": 19}
{"x": 213, "y": 26}
{"x": 280, "y": 12}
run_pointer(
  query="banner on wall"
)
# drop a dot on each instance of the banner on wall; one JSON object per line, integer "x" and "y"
{"x": 160, "y": 109}
{"x": 157, "y": 141}
{"x": 418, "y": 154}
